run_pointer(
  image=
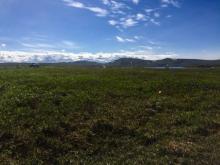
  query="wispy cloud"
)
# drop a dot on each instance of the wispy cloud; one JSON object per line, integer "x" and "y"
{"x": 97, "y": 10}
{"x": 123, "y": 40}
{"x": 74, "y": 4}
{"x": 38, "y": 45}
{"x": 166, "y": 3}
{"x": 157, "y": 14}
{"x": 123, "y": 22}
{"x": 140, "y": 16}
{"x": 3, "y": 45}
{"x": 114, "y": 6}
{"x": 135, "y": 1}
{"x": 146, "y": 47}
{"x": 46, "y": 45}
{"x": 113, "y": 22}
{"x": 152, "y": 20}
{"x": 129, "y": 22}
{"x": 123, "y": 15}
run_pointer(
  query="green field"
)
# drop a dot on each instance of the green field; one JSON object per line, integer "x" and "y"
{"x": 137, "y": 116}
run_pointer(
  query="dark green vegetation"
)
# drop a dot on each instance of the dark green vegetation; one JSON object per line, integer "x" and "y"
{"x": 168, "y": 62}
{"x": 116, "y": 116}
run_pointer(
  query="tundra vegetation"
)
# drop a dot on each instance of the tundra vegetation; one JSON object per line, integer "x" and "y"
{"x": 69, "y": 115}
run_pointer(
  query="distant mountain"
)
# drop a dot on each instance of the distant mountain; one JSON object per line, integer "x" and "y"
{"x": 86, "y": 63}
{"x": 82, "y": 63}
{"x": 133, "y": 62}
{"x": 128, "y": 62}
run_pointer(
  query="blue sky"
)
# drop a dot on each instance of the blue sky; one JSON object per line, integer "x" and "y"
{"x": 69, "y": 30}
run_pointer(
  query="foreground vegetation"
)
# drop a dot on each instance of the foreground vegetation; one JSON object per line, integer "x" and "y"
{"x": 109, "y": 116}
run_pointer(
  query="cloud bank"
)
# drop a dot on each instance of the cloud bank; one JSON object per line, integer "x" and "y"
{"x": 56, "y": 56}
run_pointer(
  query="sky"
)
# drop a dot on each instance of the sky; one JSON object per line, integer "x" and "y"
{"x": 104, "y": 30}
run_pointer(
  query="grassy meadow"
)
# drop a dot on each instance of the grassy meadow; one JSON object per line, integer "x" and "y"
{"x": 70, "y": 115}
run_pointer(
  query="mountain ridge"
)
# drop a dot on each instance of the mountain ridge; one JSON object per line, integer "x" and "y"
{"x": 135, "y": 62}
{"x": 167, "y": 62}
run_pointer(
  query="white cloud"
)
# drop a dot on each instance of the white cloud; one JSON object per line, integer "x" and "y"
{"x": 140, "y": 16}
{"x": 68, "y": 44}
{"x": 147, "y": 47}
{"x": 3, "y": 45}
{"x": 115, "y": 8}
{"x": 38, "y": 45}
{"x": 123, "y": 40}
{"x": 135, "y": 1}
{"x": 119, "y": 39}
{"x": 50, "y": 46}
{"x": 152, "y": 20}
{"x": 156, "y": 14}
{"x": 61, "y": 56}
{"x": 123, "y": 15}
{"x": 75, "y": 4}
{"x": 106, "y": 2}
{"x": 112, "y": 22}
{"x": 128, "y": 23}
{"x": 166, "y": 3}
{"x": 114, "y": 5}
{"x": 137, "y": 37}
{"x": 152, "y": 42}
{"x": 149, "y": 11}
{"x": 97, "y": 10}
